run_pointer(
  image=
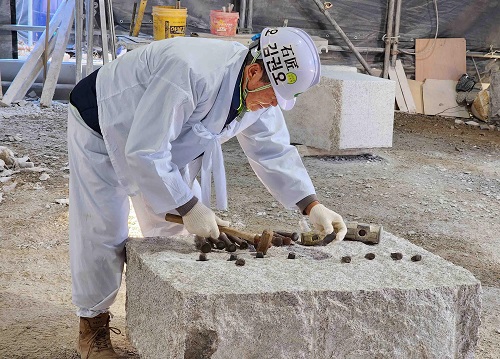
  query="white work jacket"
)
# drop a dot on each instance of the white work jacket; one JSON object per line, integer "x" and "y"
{"x": 162, "y": 105}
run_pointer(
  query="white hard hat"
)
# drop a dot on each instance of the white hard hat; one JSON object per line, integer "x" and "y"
{"x": 291, "y": 61}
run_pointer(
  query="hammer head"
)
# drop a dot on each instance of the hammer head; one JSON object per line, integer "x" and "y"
{"x": 264, "y": 241}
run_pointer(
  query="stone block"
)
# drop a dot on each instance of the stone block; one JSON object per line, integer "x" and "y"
{"x": 345, "y": 110}
{"x": 494, "y": 90}
{"x": 313, "y": 306}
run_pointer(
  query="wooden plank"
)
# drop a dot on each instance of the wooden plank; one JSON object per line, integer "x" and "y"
{"x": 417, "y": 94}
{"x": 63, "y": 32}
{"x": 440, "y": 99}
{"x": 400, "y": 101}
{"x": 140, "y": 15}
{"x": 440, "y": 59}
{"x": 27, "y": 74}
{"x": 405, "y": 88}
{"x": 36, "y": 70}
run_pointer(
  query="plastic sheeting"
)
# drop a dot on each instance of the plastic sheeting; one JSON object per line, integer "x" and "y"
{"x": 364, "y": 21}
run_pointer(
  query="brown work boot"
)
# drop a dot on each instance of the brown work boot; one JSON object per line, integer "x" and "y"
{"x": 94, "y": 341}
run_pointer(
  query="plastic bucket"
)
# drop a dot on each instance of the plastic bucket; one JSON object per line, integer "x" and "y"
{"x": 223, "y": 23}
{"x": 168, "y": 22}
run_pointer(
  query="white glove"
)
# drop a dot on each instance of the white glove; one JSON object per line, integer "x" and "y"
{"x": 325, "y": 220}
{"x": 202, "y": 221}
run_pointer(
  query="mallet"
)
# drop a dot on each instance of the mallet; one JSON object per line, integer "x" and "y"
{"x": 263, "y": 244}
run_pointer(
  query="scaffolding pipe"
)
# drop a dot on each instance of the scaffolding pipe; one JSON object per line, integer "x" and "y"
{"x": 243, "y": 13}
{"x": 45, "y": 51}
{"x": 89, "y": 9}
{"x": 388, "y": 39}
{"x": 409, "y": 51}
{"x": 13, "y": 21}
{"x": 112, "y": 34}
{"x": 78, "y": 38}
{"x": 345, "y": 38}
{"x": 396, "y": 32}
{"x": 30, "y": 22}
{"x": 250, "y": 15}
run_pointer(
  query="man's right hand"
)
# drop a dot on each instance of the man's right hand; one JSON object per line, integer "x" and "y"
{"x": 202, "y": 221}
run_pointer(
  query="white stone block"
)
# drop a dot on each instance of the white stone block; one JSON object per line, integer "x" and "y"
{"x": 311, "y": 307}
{"x": 345, "y": 110}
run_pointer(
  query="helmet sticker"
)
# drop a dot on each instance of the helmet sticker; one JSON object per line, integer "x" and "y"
{"x": 291, "y": 78}
{"x": 278, "y": 59}
{"x": 271, "y": 32}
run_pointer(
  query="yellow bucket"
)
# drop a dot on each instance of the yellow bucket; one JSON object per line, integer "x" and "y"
{"x": 168, "y": 22}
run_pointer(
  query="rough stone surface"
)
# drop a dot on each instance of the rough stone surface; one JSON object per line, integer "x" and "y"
{"x": 495, "y": 95}
{"x": 312, "y": 307}
{"x": 345, "y": 110}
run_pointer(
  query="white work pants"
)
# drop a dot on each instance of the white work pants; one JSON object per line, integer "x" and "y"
{"x": 98, "y": 219}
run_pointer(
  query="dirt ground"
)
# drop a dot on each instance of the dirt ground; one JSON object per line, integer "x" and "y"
{"x": 438, "y": 186}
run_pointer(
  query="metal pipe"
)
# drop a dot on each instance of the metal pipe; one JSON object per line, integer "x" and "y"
{"x": 484, "y": 56}
{"x": 345, "y": 38}
{"x": 89, "y": 8}
{"x": 112, "y": 34}
{"x": 45, "y": 52}
{"x": 30, "y": 22}
{"x": 409, "y": 51}
{"x": 78, "y": 39}
{"x": 13, "y": 21}
{"x": 16, "y": 27}
{"x": 243, "y": 11}
{"x": 388, "y": 39}
{"x": 250, "y": 15}
{"x": 396, "y": 32}
{"x": 104, "y": 32}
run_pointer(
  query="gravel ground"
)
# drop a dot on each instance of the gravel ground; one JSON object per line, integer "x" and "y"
{"x": 438, "y": 186}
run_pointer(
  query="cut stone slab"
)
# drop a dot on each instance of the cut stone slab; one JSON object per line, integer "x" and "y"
{"x": 313, "y": 306}
{"x": 494, "y": 90}
{"x": 440, "y": 99}
{"x": 345, "y": 110}
{"x": 416, "y": 91}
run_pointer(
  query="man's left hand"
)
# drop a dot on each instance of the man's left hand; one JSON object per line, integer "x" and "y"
{"x": 325, "y": 220}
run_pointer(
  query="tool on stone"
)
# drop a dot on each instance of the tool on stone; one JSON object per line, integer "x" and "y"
{"x": 240, "y": 242}
{"x": 218, "y": 244}
{"x": 262, "y": 242}
{"x": 397, "y": 256}
{"x": 203, "y": 245}
{"x": 279, "y": 240}
{"x": 294, "y": 236}
{"x": 345, "y": 259}
{"x": 361, "y": 232}
{"x": 230, "y": 246}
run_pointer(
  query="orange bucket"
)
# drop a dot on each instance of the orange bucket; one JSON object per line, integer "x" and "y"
{"x": 223, "y": 23}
